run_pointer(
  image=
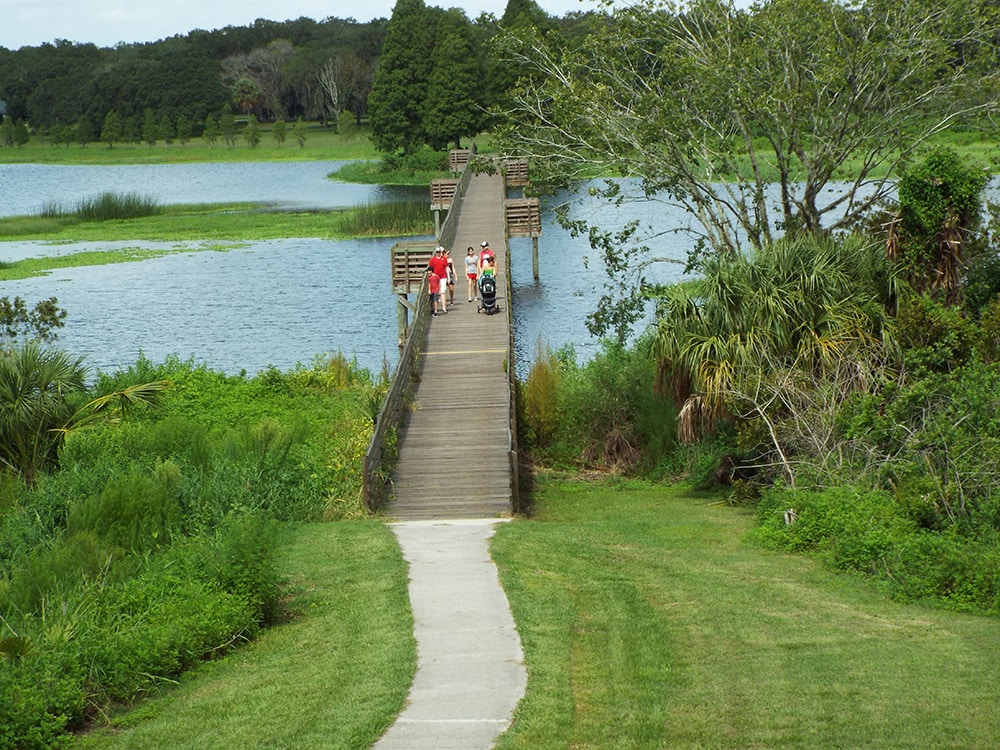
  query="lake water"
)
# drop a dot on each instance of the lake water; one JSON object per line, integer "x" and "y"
{"x": 283, "y": 302}
{"x": 279, "y": 302}
{"x": 27, "y": 188}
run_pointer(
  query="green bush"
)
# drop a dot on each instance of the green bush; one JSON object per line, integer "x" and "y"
{"x": 244, "y": 562}
{"x": 54, "y": 570}
{"x": 932, "y": 439}
{"x": 852, "y": 529}
{"x": 603, "y": 414}
{"x": 113, "y": 637}
{"x": 43, "y": 696}
{"x": 154, "y": 544}
{"x": 421, "y": 160}
{"x": 933, "y": 337}
{"x": 138, "y": 513}
{"x": 706, "y": 464}
{"x": 871, "y": 533}
{"x": 947, "y": 566}
{"x": 982, "y": 283}
{"x": 155, "y": 626}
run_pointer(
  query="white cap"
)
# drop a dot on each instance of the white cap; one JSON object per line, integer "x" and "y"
{"x": 484, "y": 244}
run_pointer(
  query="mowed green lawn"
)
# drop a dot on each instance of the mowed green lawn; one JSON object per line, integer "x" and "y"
{"x": 649, "y": 620}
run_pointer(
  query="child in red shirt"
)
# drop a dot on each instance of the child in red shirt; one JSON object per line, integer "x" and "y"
{"x": 434, "y": 288}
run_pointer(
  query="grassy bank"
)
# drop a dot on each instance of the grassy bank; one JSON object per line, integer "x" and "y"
{"x": 366, "y": 165}
{"x": 321, "y": 144}
{"x": 333, "y": 678}
{"x": 184, "y": 223}
{"x": 649, "y": 621}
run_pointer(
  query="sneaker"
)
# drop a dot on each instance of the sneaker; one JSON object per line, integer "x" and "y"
{"x": 434, "y": 315}
{"x": 444, "y": 312}
{"x": 470, "y": 299}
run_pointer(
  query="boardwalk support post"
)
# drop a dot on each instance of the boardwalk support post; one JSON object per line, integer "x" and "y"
{"x": 534, "y": 256}
{"x": 402, "y": 318}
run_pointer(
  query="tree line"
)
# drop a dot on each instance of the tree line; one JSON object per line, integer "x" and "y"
{"x": 427, "y": 75}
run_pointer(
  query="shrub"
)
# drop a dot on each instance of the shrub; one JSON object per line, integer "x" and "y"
{"x": 937, "y": 436}
{"x": 947, "y": 566}
{"x": 244, "y": 562}
{"x": 155, "y": 544}
{"x": 137, "y": 513}
{"x": 156, "y": 625}
{"x": 853, "y": 529}
{"x": 114, "y": 639}
{"x": 52, "y": 570}
{"x": 43, "y": 696}
{"x": 933, "y": 337}
{"x": 540, "y": 395}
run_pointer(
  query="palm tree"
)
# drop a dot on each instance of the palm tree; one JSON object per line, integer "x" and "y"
{"x": 41, "y": 390}
{"x": 804, "y": 302}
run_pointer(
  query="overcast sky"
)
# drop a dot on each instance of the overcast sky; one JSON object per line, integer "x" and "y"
{"x": 108, "y": 22}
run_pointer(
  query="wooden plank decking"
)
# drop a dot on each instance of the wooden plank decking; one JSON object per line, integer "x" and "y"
{"x": 453, "y": 458}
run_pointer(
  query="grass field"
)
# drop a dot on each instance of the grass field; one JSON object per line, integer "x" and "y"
{"x": 321, "y": 144}
{"x": 649, "y": 621}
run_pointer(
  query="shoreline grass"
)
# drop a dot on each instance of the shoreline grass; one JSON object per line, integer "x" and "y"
{"x": 322, "y": 144}
{"x": 650, "y": 621}
{"x": 202, "y": 227}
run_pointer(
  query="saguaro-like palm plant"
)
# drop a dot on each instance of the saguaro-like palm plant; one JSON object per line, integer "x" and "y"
{"x": 43, "y": 397}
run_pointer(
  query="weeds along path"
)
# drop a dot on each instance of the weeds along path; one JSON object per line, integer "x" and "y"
{"x": 334, "y": 676}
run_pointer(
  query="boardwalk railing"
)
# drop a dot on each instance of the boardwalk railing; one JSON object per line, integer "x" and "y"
{"x": 381, "y": 454}
{"x": 512, "y": 450}
{"x": 379, "y": 458}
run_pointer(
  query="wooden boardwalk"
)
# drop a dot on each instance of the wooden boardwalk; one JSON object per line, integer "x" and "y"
{"x": 454, "y": 460}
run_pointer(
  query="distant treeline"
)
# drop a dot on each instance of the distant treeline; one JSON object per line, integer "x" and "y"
{"x": 316, "y": 70}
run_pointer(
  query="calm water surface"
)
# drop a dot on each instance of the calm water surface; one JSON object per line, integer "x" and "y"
{"x": 281, "y": 302}
{"x": 28, "y": 188}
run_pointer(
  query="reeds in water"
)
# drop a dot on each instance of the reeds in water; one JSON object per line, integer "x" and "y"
{"x": 379, "y": 219}
{"x": 105, "y": 207}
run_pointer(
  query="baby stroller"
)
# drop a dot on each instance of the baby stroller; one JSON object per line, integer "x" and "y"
{"x": 488, "y": 295}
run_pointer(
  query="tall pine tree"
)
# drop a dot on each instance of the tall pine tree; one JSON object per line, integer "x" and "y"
{"x": 396, "y": 103}
{"x": 502, "y": 73}
{"x": 454, "y": 107}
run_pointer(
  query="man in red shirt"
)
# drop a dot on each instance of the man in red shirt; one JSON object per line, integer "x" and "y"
{"x": 485, "y": 252}
{"x": 438, "y": 264}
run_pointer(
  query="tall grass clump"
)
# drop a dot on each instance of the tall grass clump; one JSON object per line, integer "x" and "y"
{"x": 603, "y": 414}
{"x": 107, "y": 206}
{"x": 380, "y": 219}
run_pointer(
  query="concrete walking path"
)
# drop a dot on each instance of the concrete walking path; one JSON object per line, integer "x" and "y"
{"x": 470, "y": 667}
